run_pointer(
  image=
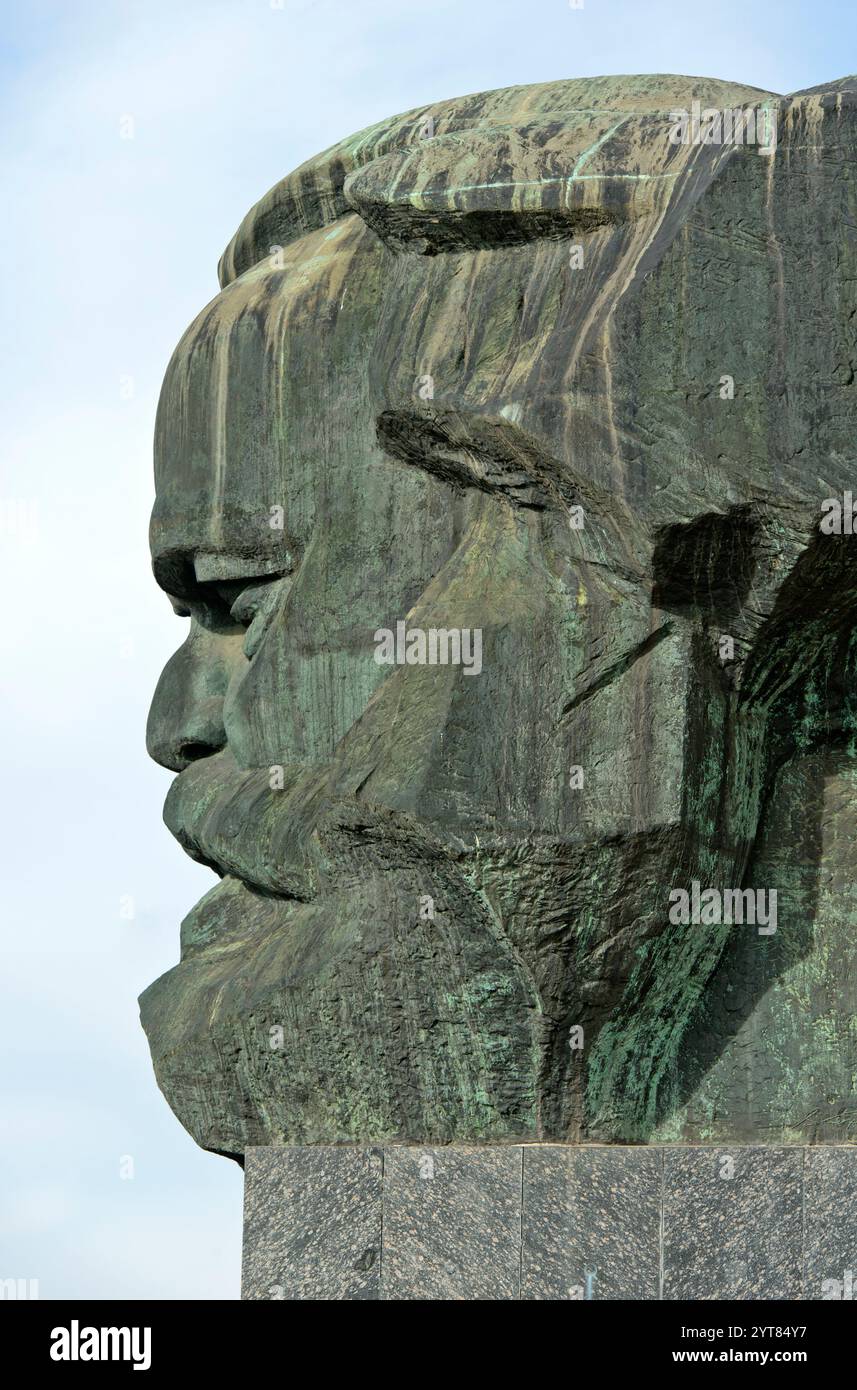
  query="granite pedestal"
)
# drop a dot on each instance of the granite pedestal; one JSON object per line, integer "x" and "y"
{"x": 546, "y": 1221}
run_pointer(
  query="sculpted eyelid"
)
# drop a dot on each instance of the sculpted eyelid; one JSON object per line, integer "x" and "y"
{"x": 210, "y": 596}
{"x": 253, "y": 596}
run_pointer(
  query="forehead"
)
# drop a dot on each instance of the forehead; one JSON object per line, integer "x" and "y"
{"x": 248, "y": 423}
{"x": 277, "y": 387}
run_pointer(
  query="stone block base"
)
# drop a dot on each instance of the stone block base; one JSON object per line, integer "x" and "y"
{"x": 550, "y": 1221}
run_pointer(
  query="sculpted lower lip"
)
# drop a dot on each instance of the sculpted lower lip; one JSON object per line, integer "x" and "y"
{"x": 230, "y": 914}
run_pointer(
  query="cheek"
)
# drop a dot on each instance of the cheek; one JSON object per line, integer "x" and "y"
{"x": 313, "y": 672}
{"x": 305, "y": 687}
{"x": 245, "y": 716}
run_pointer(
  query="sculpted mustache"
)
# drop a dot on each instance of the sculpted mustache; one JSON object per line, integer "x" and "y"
{"x": 304, "y": 834}
{"x": 236, "y": 822}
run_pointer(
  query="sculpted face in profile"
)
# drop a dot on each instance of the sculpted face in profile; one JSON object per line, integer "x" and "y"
{"x": 490, "y": 484}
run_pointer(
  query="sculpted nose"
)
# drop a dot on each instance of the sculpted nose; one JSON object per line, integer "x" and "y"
{"x": 186, "y": 716}
{"x": 175, "y": 742}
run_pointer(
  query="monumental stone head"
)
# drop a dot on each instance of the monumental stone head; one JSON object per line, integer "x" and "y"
{"x": 490, "y": 484}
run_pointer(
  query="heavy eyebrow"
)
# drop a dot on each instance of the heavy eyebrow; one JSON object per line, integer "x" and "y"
{"x": 223, "y": 568}
{"x": 185, "y": 575}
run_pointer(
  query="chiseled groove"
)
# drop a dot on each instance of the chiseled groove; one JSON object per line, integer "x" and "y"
{"x": 621, "y": 666}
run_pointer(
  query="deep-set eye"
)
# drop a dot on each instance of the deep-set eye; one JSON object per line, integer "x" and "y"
{"x": 249, "y": 602}
{"x": 254, "y": 608}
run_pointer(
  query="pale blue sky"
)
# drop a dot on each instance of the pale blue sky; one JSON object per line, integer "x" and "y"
{"x": 109, "y": 248}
